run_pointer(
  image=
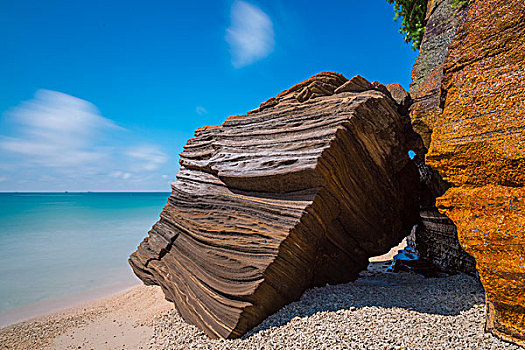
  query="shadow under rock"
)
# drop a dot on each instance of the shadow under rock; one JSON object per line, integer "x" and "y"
{"x": 447, "y": 296}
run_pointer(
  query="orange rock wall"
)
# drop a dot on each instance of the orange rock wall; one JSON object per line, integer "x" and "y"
{"x": 478, "y": 146}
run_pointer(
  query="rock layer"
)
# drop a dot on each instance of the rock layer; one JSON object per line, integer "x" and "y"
{"x": 478, "y": 145}
{"x": 436, "y": 238}
{"x": 427, "y": 73}
{"x": 298, "y": 193}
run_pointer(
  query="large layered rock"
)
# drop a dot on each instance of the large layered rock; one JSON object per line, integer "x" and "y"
{"x": 298, "y": 193}
{"x": 435, "y": 238}
{"x": 478, "y": 145}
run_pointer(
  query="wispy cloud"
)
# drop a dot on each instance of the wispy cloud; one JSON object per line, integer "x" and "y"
{"x": 58, "y": 142}
{"x": 120, "y": 175}
{"x": 250, "y": 34}
{"x": 56, "y": 130}
{"x": 147, "y": 157}
{"x": 201, "y": 110}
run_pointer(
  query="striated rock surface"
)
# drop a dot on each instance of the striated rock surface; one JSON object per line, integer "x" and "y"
{"x": 298, "y": 193}
{"x": 427, "y": 73}
{"x": 478, "y": 145}
{"x": 435, "y": 238}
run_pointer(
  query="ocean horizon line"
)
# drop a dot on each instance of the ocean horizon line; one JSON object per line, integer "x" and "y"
{"x": 73, "y": 192}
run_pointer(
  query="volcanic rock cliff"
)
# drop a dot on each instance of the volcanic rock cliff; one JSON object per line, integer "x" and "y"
{"x": 298, "y": 193}
{"x": 477, "y": 144}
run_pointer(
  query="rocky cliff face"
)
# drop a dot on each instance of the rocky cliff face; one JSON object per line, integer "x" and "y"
{"x": 298, "y": 193}
{"x": 427, "y": 73}
{"x": 478, "y": 146}
{"x": 435, "y": 238}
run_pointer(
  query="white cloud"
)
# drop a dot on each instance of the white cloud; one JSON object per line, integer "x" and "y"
{"x": 201, "y": 110}
{"x": 120, "y": 175}
{"x": 115, "y": 174}
{"x": 56, "y": 130}
{"x": 250, "y": 35}
{"x": 59, "y": 142}
{"x": 147, "y": 157}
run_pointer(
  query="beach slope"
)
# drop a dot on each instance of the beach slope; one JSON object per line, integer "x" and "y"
{"x": 380, "y": 310}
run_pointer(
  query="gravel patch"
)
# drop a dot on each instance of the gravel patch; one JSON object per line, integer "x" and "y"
{"x": 380, "y": 310}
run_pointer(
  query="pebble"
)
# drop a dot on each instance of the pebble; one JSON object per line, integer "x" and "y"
{"x": 377, "y": 311}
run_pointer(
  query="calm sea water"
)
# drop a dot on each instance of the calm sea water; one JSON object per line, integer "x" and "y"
{"x": 55, "y": 245}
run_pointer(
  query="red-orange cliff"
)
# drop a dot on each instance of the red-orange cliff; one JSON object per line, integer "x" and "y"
{"x": 478, "y": 146}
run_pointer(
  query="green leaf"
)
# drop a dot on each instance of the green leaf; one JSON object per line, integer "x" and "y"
{"x": 412, "y": 14}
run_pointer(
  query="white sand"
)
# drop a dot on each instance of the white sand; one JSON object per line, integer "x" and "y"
{"x": 123, "y": 321}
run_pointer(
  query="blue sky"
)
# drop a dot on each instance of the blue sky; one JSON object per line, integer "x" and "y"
{"x": 102, "y": 95}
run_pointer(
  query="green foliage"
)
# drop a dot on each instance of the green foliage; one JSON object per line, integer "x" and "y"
{"x": 458, "y": 4}
{"x": 413, "y": 21}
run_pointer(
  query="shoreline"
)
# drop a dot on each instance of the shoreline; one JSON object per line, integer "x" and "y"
{"x": 33, "y": 311}
{"x": 58, "y": 304}
{"x": 122, "y": 320}
{"x": 380, "y": 310}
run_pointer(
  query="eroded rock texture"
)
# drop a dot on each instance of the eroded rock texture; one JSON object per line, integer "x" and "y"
{"x": 478, "y": 145}
{"x": 435, "y": 238}
{"x": 427, "y": 73}
{"x": 298, "y": 193}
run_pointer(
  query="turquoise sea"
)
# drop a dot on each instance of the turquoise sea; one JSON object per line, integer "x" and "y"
{"x": 55, "y": 246}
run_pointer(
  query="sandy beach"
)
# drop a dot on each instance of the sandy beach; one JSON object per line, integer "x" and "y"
{"x": 122, "y": 321}
{"x": 380, "y": 310}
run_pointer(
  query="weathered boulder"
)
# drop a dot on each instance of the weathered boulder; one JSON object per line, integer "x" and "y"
{"x": 298, "y": 193}
{"x": 402, "y": 97}
{"x": 356, "y": 84}
{"x": 478, "y": 146}
{"x": 435, "y": 237}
